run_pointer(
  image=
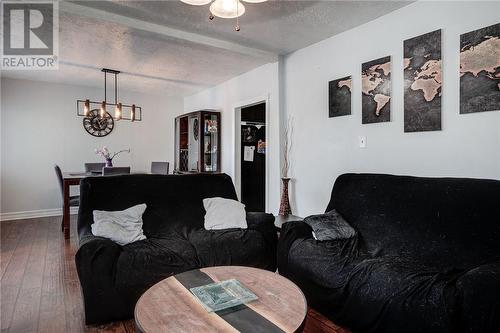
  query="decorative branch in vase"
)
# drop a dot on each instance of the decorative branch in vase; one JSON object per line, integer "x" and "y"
{"x": 285, "y": 208}
{"x": 104, "y": 152}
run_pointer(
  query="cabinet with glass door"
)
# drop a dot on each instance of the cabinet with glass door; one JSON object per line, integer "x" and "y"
{"x": 197, "y": 142}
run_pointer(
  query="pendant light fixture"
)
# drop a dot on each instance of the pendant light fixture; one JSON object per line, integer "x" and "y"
{"x": 132, "y": 113}
{"x": 121, "y": 111}
{"x": 118, "y": 111}
{"x": 86, "y": 107}
{"x": 103, "y": 109}
{"x": 224, "y": 8}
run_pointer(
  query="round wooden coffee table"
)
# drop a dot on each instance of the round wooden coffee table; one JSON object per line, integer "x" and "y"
{"x": 169, "y": 306}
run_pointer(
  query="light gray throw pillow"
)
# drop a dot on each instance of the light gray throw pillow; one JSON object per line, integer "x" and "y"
{"x": 329, "y": 226}
{"x": 224, "y": 214}
{"x": 122, "y": 227}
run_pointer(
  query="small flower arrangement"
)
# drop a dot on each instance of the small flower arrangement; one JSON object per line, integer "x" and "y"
{"x": 104, "y": 152}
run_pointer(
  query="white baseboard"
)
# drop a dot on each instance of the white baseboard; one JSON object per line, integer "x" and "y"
{"x": 35, "y": 213}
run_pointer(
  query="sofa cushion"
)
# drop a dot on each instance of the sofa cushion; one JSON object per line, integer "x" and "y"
{"x": 389, "y": 291}
{"x": 479, "y": 289}
{"x": 329, "y": 226}
{"x": 241, "y": 247}
{"x": 121, "y": 226}
{"x": 224, "y": 214}
{"x": 146, "y": 262}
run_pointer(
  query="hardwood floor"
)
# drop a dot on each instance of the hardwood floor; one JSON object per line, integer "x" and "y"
{"x": 317, "y": 323}
{"x": 40, "y": 291}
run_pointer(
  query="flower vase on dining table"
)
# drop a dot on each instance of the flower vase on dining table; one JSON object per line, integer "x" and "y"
{"x": 108, "y": 157}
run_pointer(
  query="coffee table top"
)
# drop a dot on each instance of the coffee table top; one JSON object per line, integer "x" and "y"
{"x": 169, "y": 306}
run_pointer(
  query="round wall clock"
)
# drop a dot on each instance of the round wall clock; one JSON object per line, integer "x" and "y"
{"x": 96, "y": 125}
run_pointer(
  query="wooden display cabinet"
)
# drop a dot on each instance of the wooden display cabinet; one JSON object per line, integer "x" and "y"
{"x": 197, "y": 142}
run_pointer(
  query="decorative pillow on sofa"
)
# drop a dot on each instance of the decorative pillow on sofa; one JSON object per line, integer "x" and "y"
{"x": 122, "y": 226}
{"x": 224, "y": 214}
{"x": 329, "y": 226}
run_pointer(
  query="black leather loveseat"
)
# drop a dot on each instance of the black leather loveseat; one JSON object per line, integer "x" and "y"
{"x": 426, "y": 257}
{"x": 113, "y": 277}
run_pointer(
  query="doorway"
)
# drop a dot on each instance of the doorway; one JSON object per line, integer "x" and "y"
{"x": 251, "y": 146}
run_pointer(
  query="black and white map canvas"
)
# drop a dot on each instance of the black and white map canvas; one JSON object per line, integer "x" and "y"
{"x": 480, "y": 70}
{"x": 422, "y": 82}
{"x": 339, "y": 97}
{"x": 376, "y": 91}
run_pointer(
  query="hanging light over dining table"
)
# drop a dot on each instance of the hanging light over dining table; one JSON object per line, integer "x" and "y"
{"x": 227, "y": 9}
{"x": 120, "y": 111}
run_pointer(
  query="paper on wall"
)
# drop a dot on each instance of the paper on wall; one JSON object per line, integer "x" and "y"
{"x": 248, "y": 153}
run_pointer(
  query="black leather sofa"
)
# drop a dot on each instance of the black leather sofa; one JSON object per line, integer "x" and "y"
{"x": 426, "y": 257}
{"x": 113, "y": 277}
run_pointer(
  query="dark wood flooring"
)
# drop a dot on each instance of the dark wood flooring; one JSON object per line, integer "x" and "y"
{"x": 40, "y": 291}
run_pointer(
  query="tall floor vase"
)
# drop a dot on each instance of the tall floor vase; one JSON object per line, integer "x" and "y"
{"x": 285, "y": 201}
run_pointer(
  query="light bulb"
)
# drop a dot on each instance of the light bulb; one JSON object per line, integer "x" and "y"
{"x": 86, "y": 107}
{"x": 227, "y": 8}
{"x": 197, "y": 2}
{"x": 118, "y": 111}
{"x": 103, "y": 109}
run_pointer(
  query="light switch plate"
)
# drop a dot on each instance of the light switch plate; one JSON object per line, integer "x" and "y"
{"x": 362, "y": 142}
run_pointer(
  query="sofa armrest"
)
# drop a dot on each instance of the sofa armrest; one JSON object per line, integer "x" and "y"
{"x": 479, "y": 295}
{"x": 296, "y": 230}
{"x": 258, "y": 220}
{"x": 290, "y": 232}
{"x": 96, "y": 260}
{"x": 264, "y": 223}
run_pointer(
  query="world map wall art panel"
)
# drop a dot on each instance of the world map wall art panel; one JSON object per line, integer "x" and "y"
{"x": 376, "y": 91}
{"x": 422, "y": 82}
{"x": 339, "y": 97}
{"x": 480, "y": 70}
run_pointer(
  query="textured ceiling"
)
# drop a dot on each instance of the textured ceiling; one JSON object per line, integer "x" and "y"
{"x": 156, "y": 62}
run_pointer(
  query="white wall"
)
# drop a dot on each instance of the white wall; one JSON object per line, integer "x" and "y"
{"x": 259, "y": 83}
{"x": 467, "y": 146}
{"x": 39, "y": 128}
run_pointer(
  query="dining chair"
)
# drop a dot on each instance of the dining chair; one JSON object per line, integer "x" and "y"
{"x": 94, "y": 167}
{"x": 159, "y": 168}
{"x": 108, "y": 171}
{"x": 74, "y": 200}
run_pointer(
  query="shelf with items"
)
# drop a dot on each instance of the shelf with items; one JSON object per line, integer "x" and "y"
{"x": 197, "y": 142}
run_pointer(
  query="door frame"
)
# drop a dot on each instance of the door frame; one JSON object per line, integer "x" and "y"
{"x": 237, "y": 143}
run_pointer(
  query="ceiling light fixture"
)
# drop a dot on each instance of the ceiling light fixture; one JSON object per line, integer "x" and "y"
{"x": 227, "y": 8}
{"x": 197, "y": 2}
{"x": 224, "y": 8}
{"x": 84, "y": 107}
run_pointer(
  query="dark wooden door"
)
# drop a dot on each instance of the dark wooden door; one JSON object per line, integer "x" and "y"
{"x": 253, "y": 165}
